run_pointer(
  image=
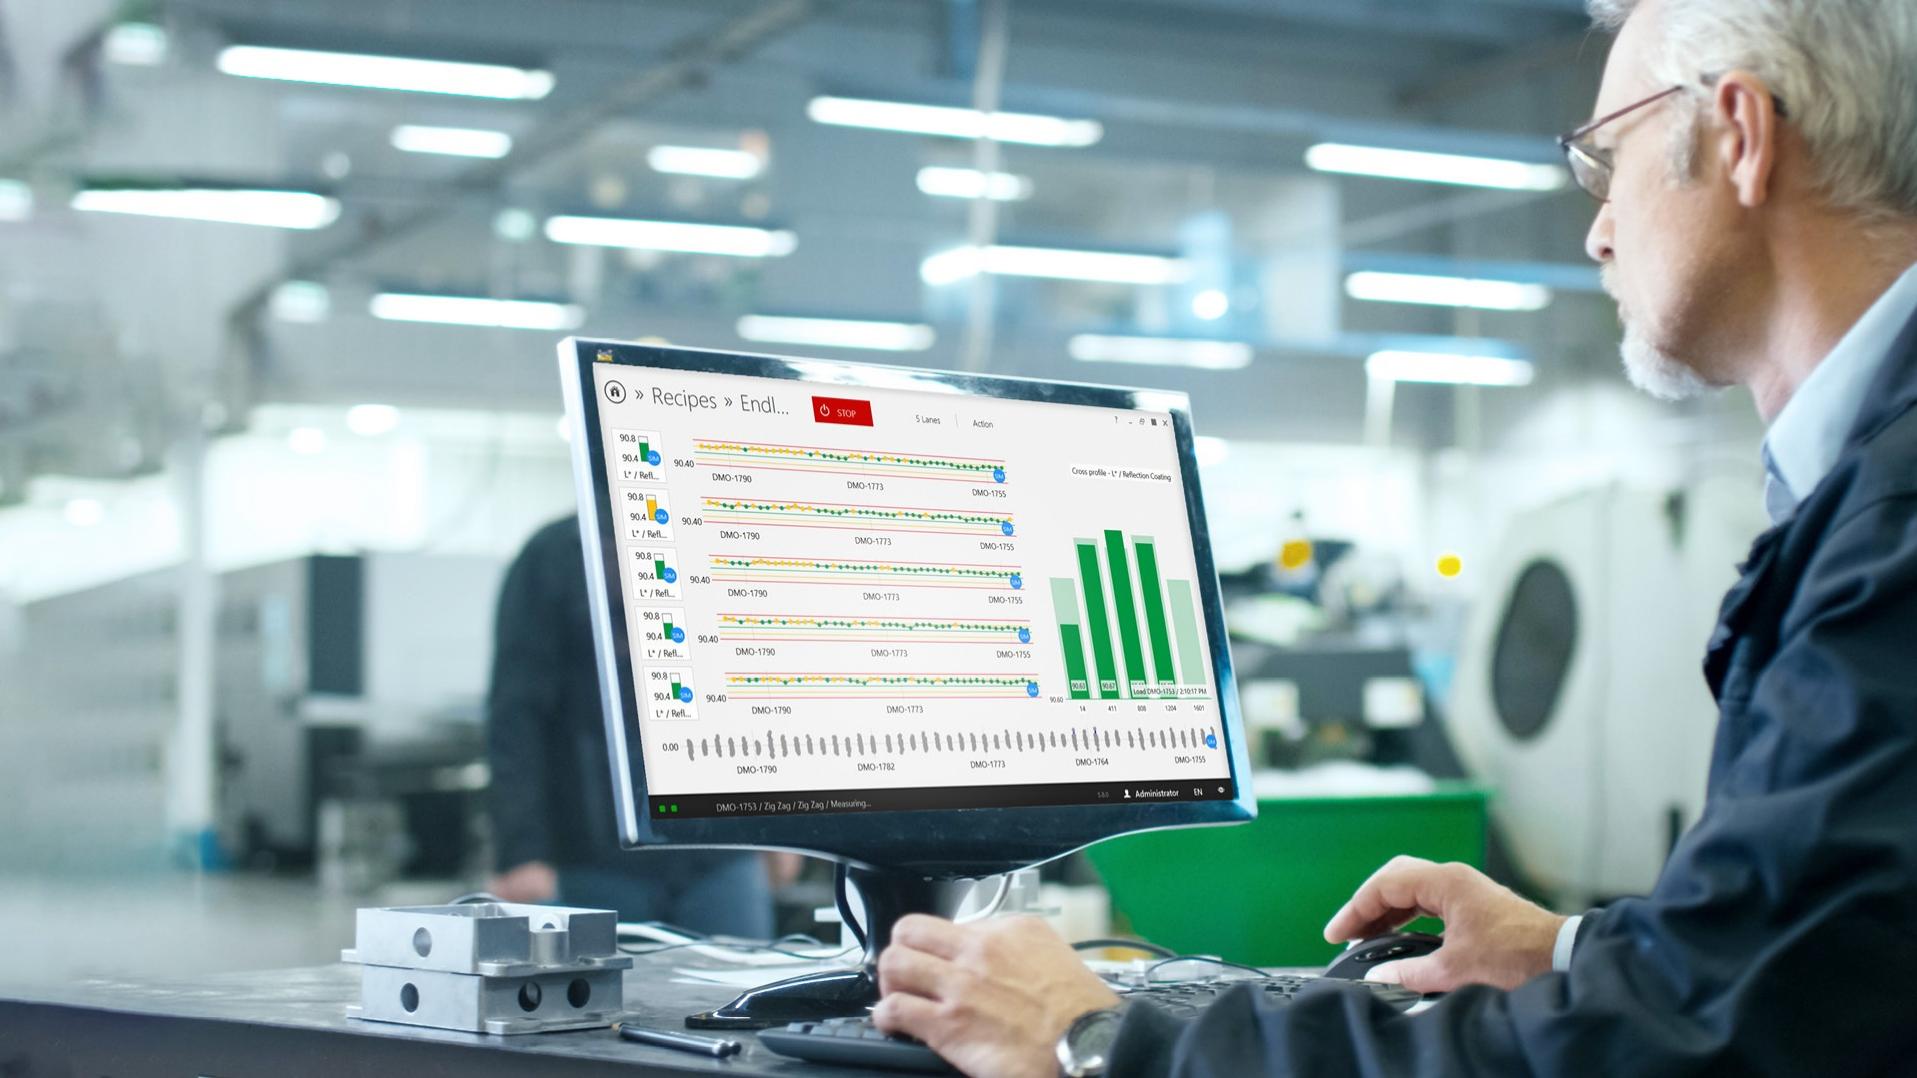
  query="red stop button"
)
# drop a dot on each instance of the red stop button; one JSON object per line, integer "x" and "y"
{"x": 852, "y": 413}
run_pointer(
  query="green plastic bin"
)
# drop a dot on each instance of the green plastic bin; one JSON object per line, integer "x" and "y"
{"x": 1261, "y": 892}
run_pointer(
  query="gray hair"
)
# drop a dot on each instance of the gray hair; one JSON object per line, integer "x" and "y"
{"x": 1845, "y": 69}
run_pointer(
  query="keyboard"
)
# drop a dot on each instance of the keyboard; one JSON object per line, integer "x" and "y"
{"x": 856, "y": 1042}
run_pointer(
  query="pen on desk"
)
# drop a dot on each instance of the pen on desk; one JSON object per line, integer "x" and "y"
{"x": 715, "y": 1047}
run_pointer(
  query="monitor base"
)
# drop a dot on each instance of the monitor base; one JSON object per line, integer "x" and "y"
{"x": 887, "y": 896}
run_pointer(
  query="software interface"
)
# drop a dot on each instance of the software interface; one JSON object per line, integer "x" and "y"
{"x": 844, "y": 600}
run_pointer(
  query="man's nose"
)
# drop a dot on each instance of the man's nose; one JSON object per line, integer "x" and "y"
{"x": 1597, "y": 242}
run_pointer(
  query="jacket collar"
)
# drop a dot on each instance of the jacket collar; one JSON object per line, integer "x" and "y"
{"x": 1893, "y": 391}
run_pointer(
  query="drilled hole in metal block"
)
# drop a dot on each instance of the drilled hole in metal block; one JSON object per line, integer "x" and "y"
{"x": 529, "y": 996}
{"x": 422, "y": 943}
{"x": 578, "y": 993}
{"x": 409, "y": 998}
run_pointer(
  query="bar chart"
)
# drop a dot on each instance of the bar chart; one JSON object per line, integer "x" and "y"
{"x": 645, "y": 516}
{"x": 637, "y": 457}
{"x": 1141, "y": 630}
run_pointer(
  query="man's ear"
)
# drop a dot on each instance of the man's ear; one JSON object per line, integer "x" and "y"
{"x": 1748, "y": 131}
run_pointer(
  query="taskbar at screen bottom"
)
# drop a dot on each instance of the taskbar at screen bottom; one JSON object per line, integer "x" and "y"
{"x": 910, "y": 799}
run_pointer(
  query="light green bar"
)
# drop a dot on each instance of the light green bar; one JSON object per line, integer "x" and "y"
{"x": 1191, "y": 663}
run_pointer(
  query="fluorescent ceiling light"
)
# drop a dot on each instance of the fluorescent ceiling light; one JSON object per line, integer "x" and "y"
{"x": 455, "y": 141}
{"x": 84, "y": 512}
{"x": 371, "y": 420}
{"x": 275, "y": 209}
{"x": 1160, "y": 351}
{"x": 971, "y": 183}
{"x": 141, "y": 44}
{"x": 16, "y": 200}
{"x": 701, "y": 161}
{"x": 1446, "y": 291}
{"x": 476, "y": 311}
{"x": 1434, "y": 167}
{"x": 954, "y": 122}
{"x": 306, "y": 441}
{"x": 838, "y": 332}
{"x": 1211, "y": 304}
{"x": 734, "y": 240}
{"x": 301, "y": 301}
{"x": 385, "y": 72}
{"x": 962, "y": 262}
{"x": 1403, "y": 366}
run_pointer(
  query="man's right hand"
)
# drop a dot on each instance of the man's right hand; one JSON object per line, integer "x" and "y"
{"x": 1491, "y": 936}
{"x": 534, "y": 881}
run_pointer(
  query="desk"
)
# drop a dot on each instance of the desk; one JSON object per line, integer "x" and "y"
{"x": 292, "y": 1023}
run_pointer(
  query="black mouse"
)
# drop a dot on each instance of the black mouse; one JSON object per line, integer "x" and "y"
{"x": 1365, "y": 955}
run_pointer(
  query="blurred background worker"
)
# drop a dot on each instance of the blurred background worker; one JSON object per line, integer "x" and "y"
{"x": 551, "y": 783}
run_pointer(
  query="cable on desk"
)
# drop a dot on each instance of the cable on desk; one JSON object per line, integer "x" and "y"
{"x": 1155, "y": 966}
{"x": 841, "y": 895}
{"x": 1113, "y": 942}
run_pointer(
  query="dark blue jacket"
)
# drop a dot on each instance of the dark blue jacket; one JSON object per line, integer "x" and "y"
{"x": 1781, "y": 937}
{"x": 551, "y": 782}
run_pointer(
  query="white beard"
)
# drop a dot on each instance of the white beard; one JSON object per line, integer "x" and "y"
{"x": 1658, "y": 372}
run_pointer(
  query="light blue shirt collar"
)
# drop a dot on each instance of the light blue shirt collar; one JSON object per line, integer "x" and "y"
{"x": 1805, "y": 439}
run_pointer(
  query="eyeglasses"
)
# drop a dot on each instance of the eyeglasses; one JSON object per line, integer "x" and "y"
{"x": 1592, "y": 167}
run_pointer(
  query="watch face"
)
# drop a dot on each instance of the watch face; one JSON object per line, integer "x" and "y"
{"x": 1087, "y": 1044}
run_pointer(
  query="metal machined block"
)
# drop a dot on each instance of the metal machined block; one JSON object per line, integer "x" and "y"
{"x": 489, "y": 967}
{"x": 536, "y": 1004}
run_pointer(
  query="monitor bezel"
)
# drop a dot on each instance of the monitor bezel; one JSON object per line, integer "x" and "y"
{"x": 944, "y": 842}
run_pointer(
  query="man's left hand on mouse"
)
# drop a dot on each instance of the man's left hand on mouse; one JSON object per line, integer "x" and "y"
{"x": 1491, "y": 936}
{"x": 992, "y": 997}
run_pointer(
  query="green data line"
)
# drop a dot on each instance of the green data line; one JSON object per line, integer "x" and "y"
{"x": 1122, "y": 601}
{"x": 1065, "y": 605}
{"x": 1190, "y": 662}
{"x": 1154, "y": 609}
{"x": 1095, "y": 617}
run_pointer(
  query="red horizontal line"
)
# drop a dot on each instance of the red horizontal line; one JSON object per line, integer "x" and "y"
{"x": 844, "y": 471}
{"x": 857, "y": 505}
{"x": 723, "y": 516}
{"x": 889, "y": 561}
{"x": 851, "y": 583}
{"x": 842, "y": 449}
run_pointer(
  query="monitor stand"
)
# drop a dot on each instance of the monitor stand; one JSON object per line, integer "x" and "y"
{"x": 887, "y": 896}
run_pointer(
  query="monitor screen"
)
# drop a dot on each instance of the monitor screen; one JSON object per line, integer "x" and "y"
{"x": 835, "y": 589}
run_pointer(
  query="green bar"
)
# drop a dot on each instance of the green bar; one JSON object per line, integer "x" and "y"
{"x": 645, "y": 451}
{"x": 1127, "y": 610}
{"x": 1154, "y": 609}
{"x": 1065, "y": 606}
{"x": 659, "y": 569}
{"x": 667, "y": 630}
{"x": 675, "y": 690}
{"x": 1074, "y": 662}
{"x": 1190, "y": 662}
{"x": 1095, "y": 611}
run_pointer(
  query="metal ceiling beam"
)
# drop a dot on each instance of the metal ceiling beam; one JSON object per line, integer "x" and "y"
{"x": 1475, "y": 24}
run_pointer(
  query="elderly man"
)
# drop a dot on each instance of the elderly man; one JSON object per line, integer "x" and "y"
{"x": 1756, "y": 161}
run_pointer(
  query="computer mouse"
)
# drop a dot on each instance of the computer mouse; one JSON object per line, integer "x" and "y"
{"x": 1366, "y": 955}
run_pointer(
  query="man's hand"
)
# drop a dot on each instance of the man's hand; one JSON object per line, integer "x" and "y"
{"x": 534, "y": 881}
{"x": 993, "y": 997}
{"x": 1491, "y": 936}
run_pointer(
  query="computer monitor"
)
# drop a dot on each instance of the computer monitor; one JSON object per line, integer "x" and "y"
{"x": 932, "y": 625}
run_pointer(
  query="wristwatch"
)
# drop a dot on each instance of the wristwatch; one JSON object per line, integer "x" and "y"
{"x": 1085, "y": 1049}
